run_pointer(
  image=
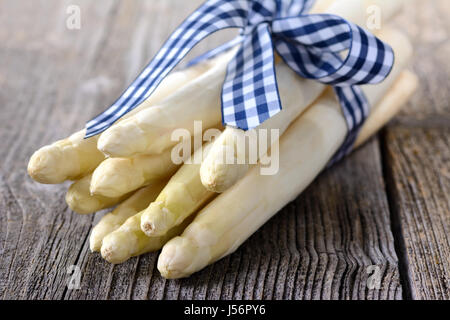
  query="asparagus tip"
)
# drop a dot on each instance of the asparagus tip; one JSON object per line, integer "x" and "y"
{"x": 107, "y": 253}
{"x": 177, "y": 259}
{"x": 157, "y": 220}
{"x": 113, "y": 254}
{"x": 44, "y": 167}
{"x": 94, "y": 244}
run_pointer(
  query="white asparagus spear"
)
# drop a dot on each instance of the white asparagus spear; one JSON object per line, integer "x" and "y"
{"x": 133, "y": 205}
{"x": 129, "y": 241}
{"x": 217, "y": 172}
{"x": 389, "y": 106}
{"x": 80, "y": 200}
{"x": 67, "y": 159}
{"x": 75, "y": 157}
{"x": 183, "y": 195}
{"x": 234, "y": 215}
{"x": 149, "y": 131}
{"x": 117, "y": 176}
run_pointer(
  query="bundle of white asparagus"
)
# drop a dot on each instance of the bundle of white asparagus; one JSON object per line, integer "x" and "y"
{"x": 176, "y": 206}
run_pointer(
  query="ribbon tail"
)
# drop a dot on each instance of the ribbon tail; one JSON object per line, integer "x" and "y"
{"x": 356, "y": 109}
{"x": 250, "y": 93}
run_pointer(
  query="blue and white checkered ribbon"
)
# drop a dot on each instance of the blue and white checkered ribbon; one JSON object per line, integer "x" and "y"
{"x": 309, "y": 43}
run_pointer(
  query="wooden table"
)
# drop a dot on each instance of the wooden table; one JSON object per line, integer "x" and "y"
{"x": 385, "y": 209}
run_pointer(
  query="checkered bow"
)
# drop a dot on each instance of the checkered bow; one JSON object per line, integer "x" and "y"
{"x": 310, "y": 44}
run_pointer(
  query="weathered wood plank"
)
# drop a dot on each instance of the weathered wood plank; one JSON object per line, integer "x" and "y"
{"x": 417, "y": 158}
{"x": 418, "y": 167}
{"x": 42, "y": 57}
{"x": 347, "y": 230}
{"x": 427, "y": 25}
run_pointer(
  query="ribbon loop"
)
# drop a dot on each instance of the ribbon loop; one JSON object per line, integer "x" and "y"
{"x": 311, "y": 44}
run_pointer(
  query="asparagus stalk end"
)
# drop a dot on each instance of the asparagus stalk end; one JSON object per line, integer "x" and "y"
{"x": 155, "y": 222}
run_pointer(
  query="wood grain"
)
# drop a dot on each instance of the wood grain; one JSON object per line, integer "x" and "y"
{"x": 420, "y": 196}
{"x": 388, "y": 199}
{"x": 416, "y": 157}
